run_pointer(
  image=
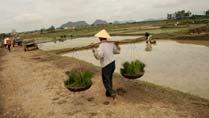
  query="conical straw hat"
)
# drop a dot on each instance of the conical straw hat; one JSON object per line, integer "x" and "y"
{"x": 103, "y": 34}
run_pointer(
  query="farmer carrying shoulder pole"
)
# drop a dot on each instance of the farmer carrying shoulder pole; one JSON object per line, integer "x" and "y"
{"x": 105, "y": 53}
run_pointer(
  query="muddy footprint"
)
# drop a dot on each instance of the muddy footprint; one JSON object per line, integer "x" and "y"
{"x": 106, "y": 102}
{"x": 90, "y": 99}
{"x": 121, "y": 91}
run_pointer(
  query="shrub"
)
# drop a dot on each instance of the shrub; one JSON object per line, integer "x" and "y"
{"x": 79, "y": 78}
{"x": 133, "y": 67}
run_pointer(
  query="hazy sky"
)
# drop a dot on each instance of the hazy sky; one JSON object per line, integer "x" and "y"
{"x": 24, "y": 15}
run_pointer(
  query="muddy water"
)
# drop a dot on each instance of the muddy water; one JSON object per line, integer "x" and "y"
{"x": 184, "y": 67}
{"x": 78, "y": 42}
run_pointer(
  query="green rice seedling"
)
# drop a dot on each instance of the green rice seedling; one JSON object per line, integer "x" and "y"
{"x": 78, "y": 78}
{"x": 133, "y": 67}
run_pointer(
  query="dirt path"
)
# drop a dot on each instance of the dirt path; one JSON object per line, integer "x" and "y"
{"x": 32, "y": 87}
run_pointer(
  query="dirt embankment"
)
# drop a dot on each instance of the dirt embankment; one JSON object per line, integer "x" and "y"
{"x": 199, "y": 33}
{"x": 1, "y": 83}
{"x": 32, "y": 87}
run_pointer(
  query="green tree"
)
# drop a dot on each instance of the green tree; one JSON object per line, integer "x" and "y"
{"x": 183, "y": 14}
{"x": 207, "y": 13}
{"x": 42, "y": 30}
{"x": 169, "y": 16}
{"x": 51, "y": 29}
{"x": 188, "y": 14}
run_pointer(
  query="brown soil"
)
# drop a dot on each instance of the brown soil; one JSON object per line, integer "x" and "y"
{"x": 32, "y": 87}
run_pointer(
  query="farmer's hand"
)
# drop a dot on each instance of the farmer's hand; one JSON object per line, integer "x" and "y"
{"x": 93, "y": 50}
{"x": 92, "y": 45}
{"x": 116, "y": 43}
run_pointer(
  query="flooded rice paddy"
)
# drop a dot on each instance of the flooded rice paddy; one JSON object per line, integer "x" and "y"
{"x": 77, "y": 42}
{"x": 184, "y": 67}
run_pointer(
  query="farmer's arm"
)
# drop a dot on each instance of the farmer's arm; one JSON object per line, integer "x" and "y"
{"x": 116, "y": 48}
{"x": 98, "y": 53}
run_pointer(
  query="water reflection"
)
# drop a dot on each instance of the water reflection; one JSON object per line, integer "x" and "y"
{"x": 180, "y": 66}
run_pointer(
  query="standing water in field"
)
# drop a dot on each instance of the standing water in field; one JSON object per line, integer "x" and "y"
{"x": 183, "y": 67}
{"x": 78, "y": 42}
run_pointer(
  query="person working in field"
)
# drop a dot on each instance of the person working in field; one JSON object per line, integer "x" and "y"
{"x": 148, "y": 41}
{"x": 5, "y": 41}
{"x": 105, "y": 53}
{"x": 9, "y": 43}
{"x": 148, "y": 37}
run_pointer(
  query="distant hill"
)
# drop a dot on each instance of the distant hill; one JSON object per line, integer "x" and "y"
{"x": 116, "y": 22}
{"x": 154, "y": 19}
{"x": 127, "y": 21}
{"x": 74, "y": 24}
{"x": 99, "y": 22}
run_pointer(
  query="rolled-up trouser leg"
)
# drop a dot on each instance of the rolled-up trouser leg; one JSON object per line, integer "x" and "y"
{"x": 107, "y": 73}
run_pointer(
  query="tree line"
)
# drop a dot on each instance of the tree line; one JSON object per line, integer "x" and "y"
{"x": 185, "y": 15}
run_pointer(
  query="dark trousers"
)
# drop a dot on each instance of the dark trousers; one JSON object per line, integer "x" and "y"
{"x": 107, "y": 73}
{"x": 9, "y": 47}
